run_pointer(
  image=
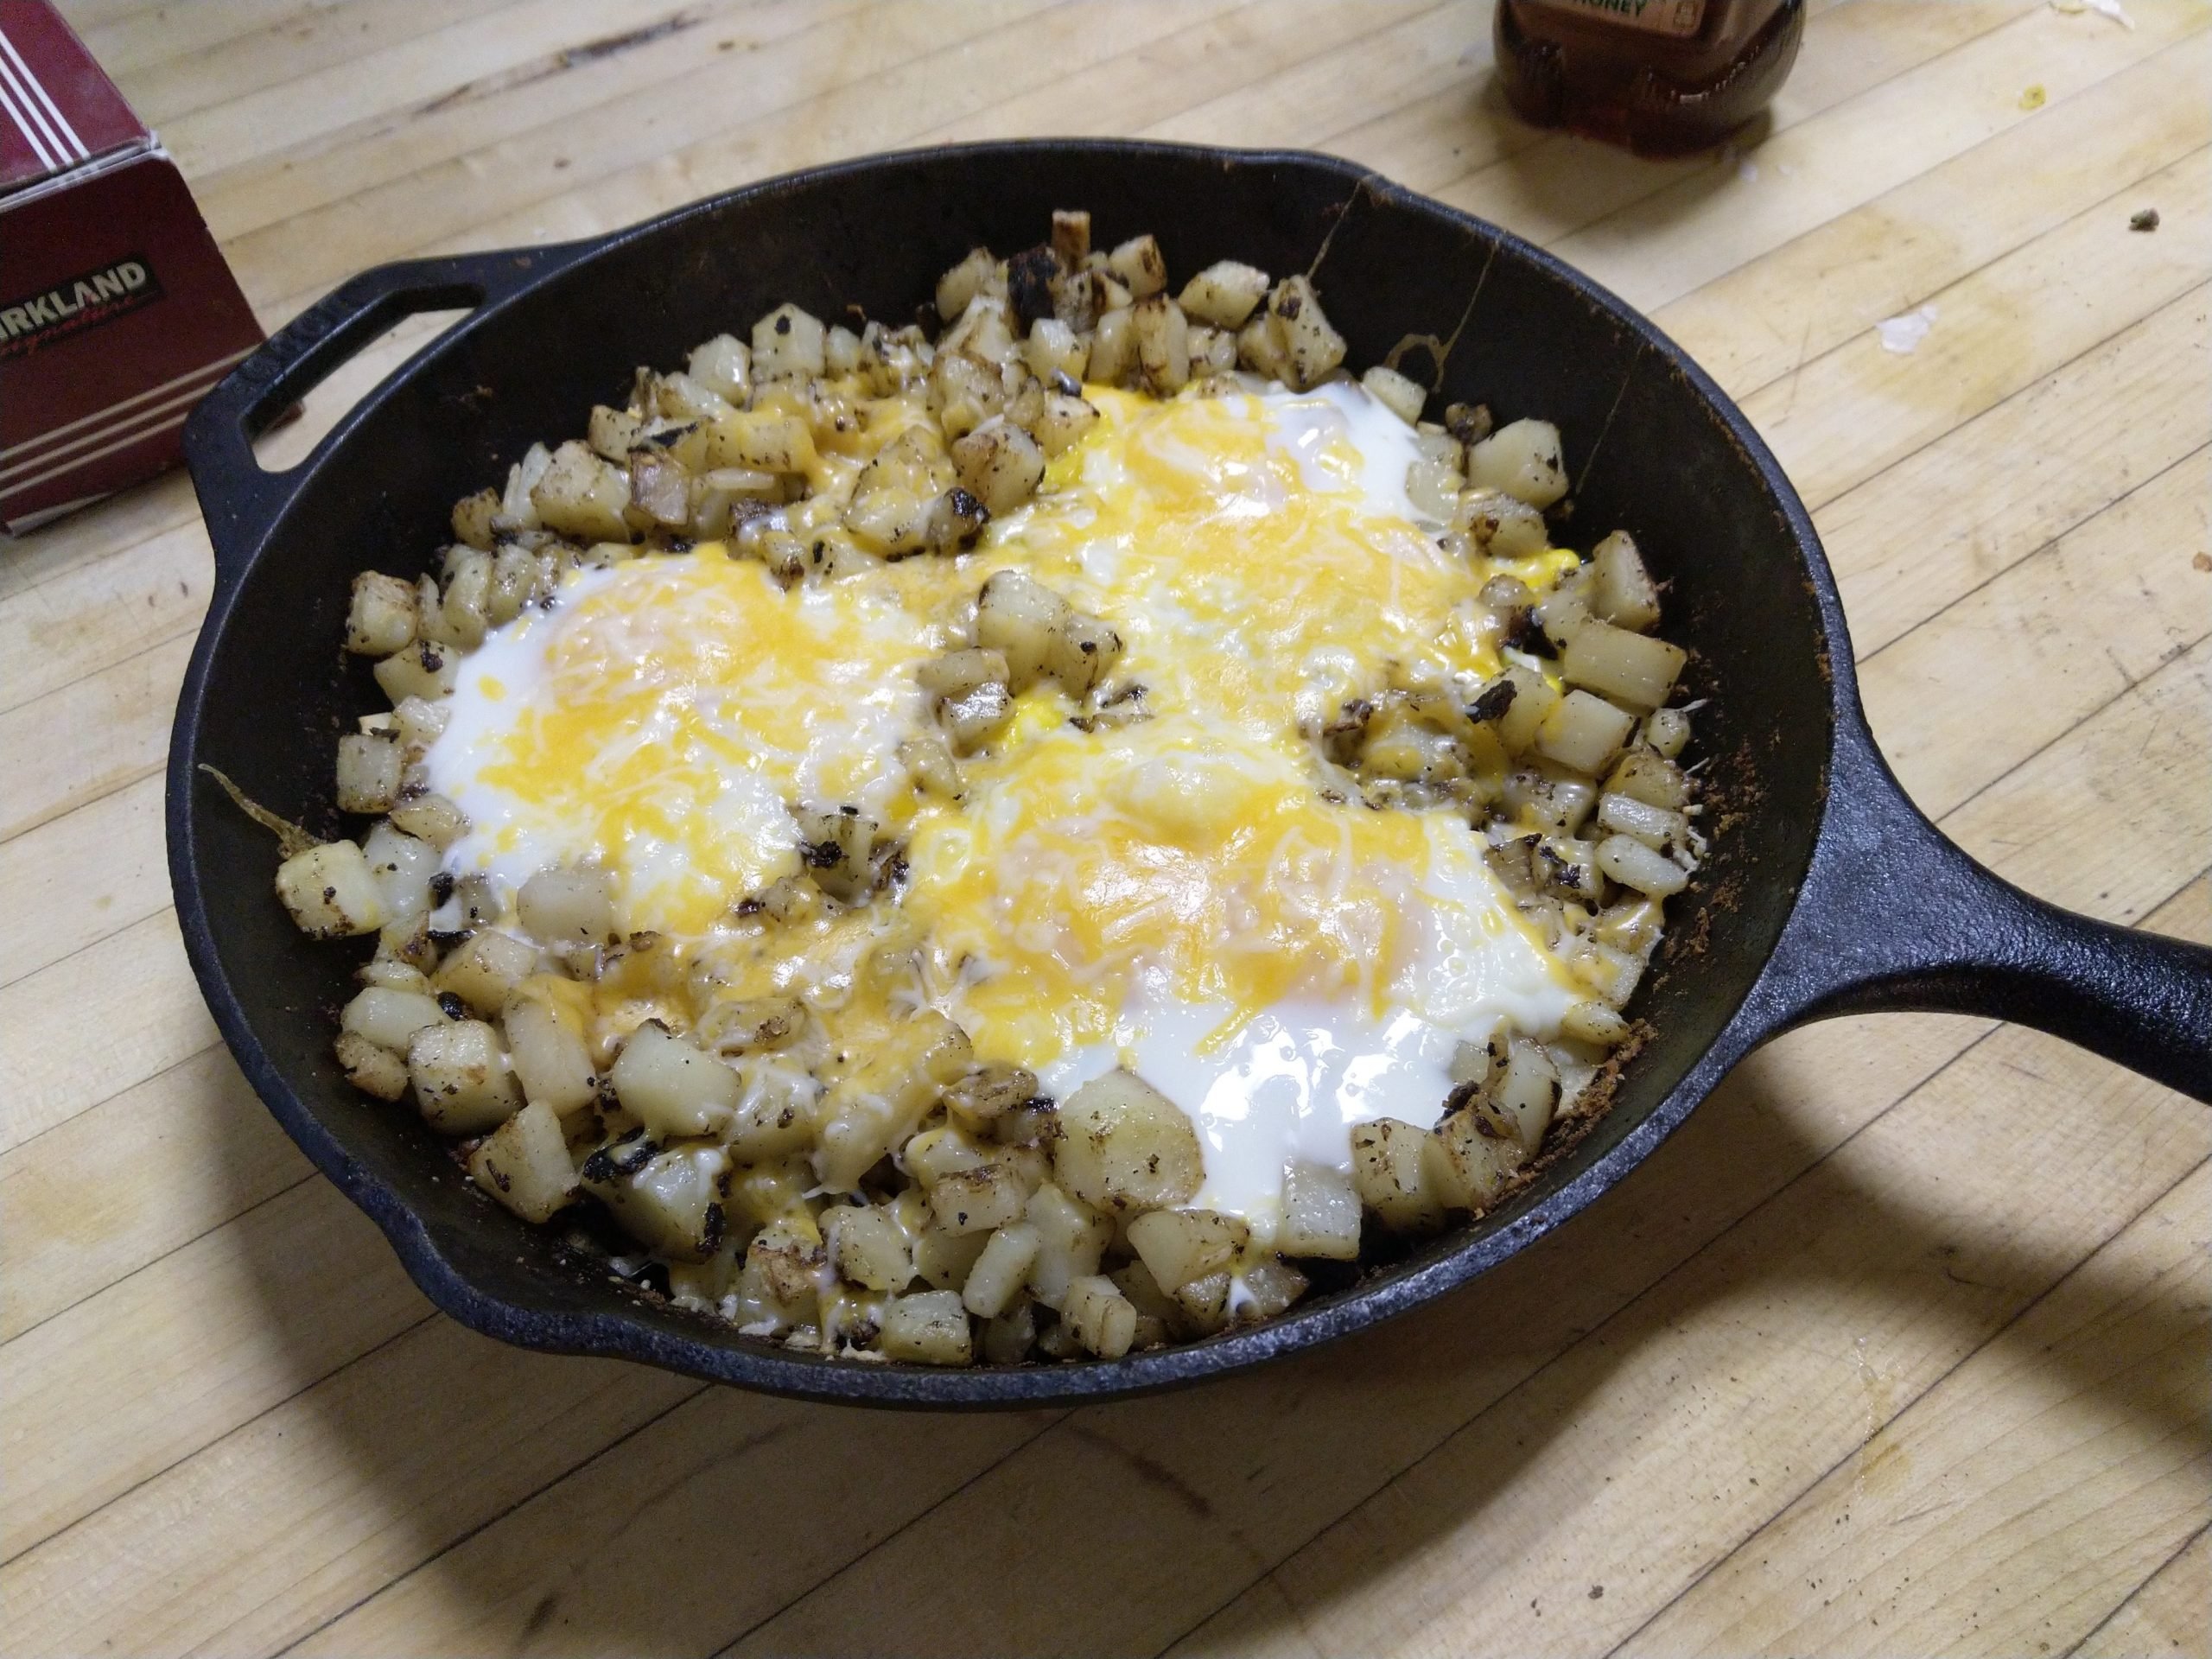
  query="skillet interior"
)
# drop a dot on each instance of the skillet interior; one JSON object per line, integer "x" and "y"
{"x": 1649, "y": 447}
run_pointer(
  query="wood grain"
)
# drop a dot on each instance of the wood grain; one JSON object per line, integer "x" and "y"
{"x": 1900, "y": 1345}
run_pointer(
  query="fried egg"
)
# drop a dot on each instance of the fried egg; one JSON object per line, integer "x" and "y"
{"x": 1185, "y": 894}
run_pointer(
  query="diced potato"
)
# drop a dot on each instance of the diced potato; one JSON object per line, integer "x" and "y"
{"x": 544, "y": 1027}
{"x": 842, "y": 351}
{"x": 473, "y": 516}
{"x": 1631, "y": 667}
{"x": 1054, "y": 348}
{"x": 777, "y": 1285}
{"x": 1527, "y": 1094}
{"x": 1390, "y": 1173}
{"x": 762, "y": 440}
{"x": 1270, "y": 1287}
{"x": 1534, "y": 699}
{"x": 1635, "y": 865}
{"x": 678, "y": 398}
{"x": 723, "y": 365}
{"x": 965, "y": 391}
{"x": 669, "y": 1200}
{"x": 416, "y": 724}
{"x": 1113, "y": 347}
{"x": 1139, "y": 265}
{"x": 1583, "y": 732}
{"x": 953, "y": 522}
{"x": 1621, "y": 589}
{"x": 1202, "y": 1305}
{"x": 1612, "y": 973}
{"x": 674, "y": 1087}
{"x": 1310, "y": 346}
{"x": 1071, "y": 236}
{"x": 1125, "y": 1146}
{"x": 1320, "y": 1214}
{"x": 964, "y": 282}
{"x": 989, "y": 1092}
{"x": 1471, "y": 1158}
{"x": 429, "y": 818}
{"x": 878, "y": 1105}
{"x": 403, "y": 869}
{"x": 1084, "y": 653}
{"x": 777, "y": 1112}
{"x": 1402, "y": 395}
{"x": 568, "y": 907}
{"x": 1000, "y": 1272}
{"x": 1009, "y": 1339}
{"x": 381, "y": 619}
{"x": 660, "y": 491}
{"x": 834, "y": 844}
{"x": 1103, "y": 1320}
{"x": 1522, "y": 459}
{"x": 1001, "y": 465}
{"x": 928, "y": 1328}
{"x": 1213, "y": 351}
{"x": 1163, "y": 337}
{"x": 389, "y": 1017}
{"x": 331, "y": 891}
{"x": 1655, "y": 826}
{"x": 524, "y": 1164}
{"x": 1557, "y": 802}
{"x": 1668, "y": 732}
{"x": 986, "y": 330}
{"x": 485, "y": 971}
{"x": 1260, "y": 348}
{"x": 461, "y": 1080}
{"x": 1071, "y": 1240}
{"x": 584, "y": 496}
{"x": 1177, "y": 1246}
{"x": 978, "y": 717}
{"x": 1064, "y": 422}
{"x": 1567, "y": 868}
{"x": 868, "y": 1246}
{"x": 370, "y": 1067}
{"x": 980, "y": 1200}
{"x": 1021, "y": 619}
{"x": 1646, "y": 776}
{"x": 1499, "y": 525}
{"x": 933, "y": 1154}
{"x": 1225, "y": 294}
{"x": 945, "y": 1260}
{"x": 787, "y": 345}
{"x": 422, "y": 670}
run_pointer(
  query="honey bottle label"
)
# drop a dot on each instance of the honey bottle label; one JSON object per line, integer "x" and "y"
{"x": 1678, "y": 19}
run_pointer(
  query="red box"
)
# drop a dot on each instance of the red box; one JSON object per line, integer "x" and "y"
{"x": 116, "y": 312}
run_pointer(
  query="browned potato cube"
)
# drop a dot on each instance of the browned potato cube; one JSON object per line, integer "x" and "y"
{"x": 381, "y": 619}
{"x": 1001, "y": 465}
{"x": 1125, "y": 1146}
{"x": 331, "y": 891}
{"x": 524, "y": 1164}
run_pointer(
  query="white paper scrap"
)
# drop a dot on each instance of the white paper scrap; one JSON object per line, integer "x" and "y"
{"x": 1903, "y": 334}
{"x": 2112, "y": 9}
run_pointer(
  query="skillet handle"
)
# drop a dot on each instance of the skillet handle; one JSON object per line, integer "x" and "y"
{"x": 239, "y": 497}
{"x": 1894, "y": 917}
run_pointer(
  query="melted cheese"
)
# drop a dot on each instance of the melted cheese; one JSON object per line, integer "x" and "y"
{"x": 1181, "y": 894}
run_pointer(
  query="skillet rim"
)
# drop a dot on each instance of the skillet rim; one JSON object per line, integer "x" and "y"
{"x": 1765, "y": 1007}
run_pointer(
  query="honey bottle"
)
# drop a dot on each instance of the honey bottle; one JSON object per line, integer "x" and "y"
{"x": 1663, "y": 77}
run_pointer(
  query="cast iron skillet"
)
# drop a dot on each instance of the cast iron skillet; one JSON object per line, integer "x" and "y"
{"x": 1827, "y": 893}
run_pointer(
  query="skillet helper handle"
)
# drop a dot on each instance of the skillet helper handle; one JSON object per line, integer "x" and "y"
{"x": 239, "y": 499}
{"x": 1895, "y": 917}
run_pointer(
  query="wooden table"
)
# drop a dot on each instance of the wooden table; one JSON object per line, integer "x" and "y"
{"x": 1901, "y": 1345}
